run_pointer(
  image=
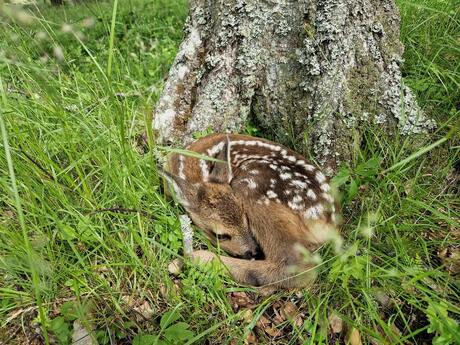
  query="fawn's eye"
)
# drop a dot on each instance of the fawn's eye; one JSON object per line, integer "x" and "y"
{"x": 223, "y": 237}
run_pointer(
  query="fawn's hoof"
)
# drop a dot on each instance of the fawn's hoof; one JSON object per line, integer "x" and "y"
{"x": 199, "y": 256}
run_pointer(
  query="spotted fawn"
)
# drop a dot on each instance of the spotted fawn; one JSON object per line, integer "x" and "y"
{"x": 263, "y": 203}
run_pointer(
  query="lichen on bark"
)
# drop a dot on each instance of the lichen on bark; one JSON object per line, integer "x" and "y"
{"x": 315, "y": 70}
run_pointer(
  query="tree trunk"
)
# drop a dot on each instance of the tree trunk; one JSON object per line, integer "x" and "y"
{"x": 314, "y": 70}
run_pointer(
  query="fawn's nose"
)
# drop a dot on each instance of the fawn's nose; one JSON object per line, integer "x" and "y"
{"x": 254, "y": 254}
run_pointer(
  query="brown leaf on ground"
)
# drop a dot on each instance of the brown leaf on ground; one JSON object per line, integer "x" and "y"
{"x": 144, "y": 310}
{"x": 265, "y": 325}
{"x": 80, "y": 335}
{"x": 450, "y": 258}
{"x": 289, "y": 310}
{"x": 354, "y": 337}
{"x": 336, "y": 323}
{"x": 251, "y": 339}
{"x": 240, "y": 300}
{"x": 263, "y": 322}
{"x": 8, "y": 214}
{"x": 175, "y": 267}
{"x": 141, "y": 307}
{"x": 247, "y": 315}
{"x": 274, "y": 332}
{"x": 382, "y": 298}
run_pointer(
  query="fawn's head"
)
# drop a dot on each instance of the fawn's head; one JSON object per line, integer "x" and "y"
{"x": 218, "y": 211}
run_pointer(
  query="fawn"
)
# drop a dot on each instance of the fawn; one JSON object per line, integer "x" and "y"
{"x": 261, "y": 201}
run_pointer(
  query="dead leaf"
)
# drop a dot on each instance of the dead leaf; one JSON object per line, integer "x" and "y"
{"x": 248, "y": 315}
{"x": 80, "y": 335}
{"x": 336, "y": 323}
{"x": 289, "y": 310}
{"x": 145, "y": 310}
{"x": 263, "y": 322}
{"x": 354, "y": 337}
{"x": 273, "y": 332}
{"x": 9, "y": 214}
{"x": 382, "y": 298}
{"x": 241, "y": 299}
{"x": 251, "y": 339}
{"x": 450, "y": 257}
{"x": 128, "y": 300}
{"x": 265, "y": 325}
{"x": 175, "y": 267}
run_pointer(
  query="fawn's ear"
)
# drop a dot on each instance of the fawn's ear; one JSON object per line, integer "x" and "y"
{"x": 221, "y": 172}
{"x": 186, "y": 193}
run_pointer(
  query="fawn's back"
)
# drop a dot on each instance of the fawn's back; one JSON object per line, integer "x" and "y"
{"x": 260, "y": 170}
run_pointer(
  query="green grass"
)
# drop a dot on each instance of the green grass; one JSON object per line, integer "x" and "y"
{"x": 86, "y": 232}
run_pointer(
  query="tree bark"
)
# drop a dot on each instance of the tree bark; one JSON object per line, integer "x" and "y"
{"x": 314, "y": 70}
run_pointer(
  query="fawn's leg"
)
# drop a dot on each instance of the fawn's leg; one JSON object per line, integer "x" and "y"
{"x": 262, "y": 272}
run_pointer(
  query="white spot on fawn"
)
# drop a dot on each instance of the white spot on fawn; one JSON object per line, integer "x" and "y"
{"x": 325, "y": 187}
{"x": 327, "y": 197}
{"x": 285, "y": 176}
{"x": 320, "y": 177}
{"x": 298, "y": 183}
{"x": 297, "y": 199}
{"x": 250, "y": 182}
{"x": 309, "y": 167}
{"x": 254, "y": 172}
{"x": 273, "y": 166}
{"x": 314, "y": 212}
{"x": 204, "y": 169}
{"x": 295, "y": 206}
{"x": 181, "y": 167}
{"x": 271, "y": 194}
{"x": 213, "y": 151}
{"x": 285, "y": 168}
{"x": 311, "y": 194}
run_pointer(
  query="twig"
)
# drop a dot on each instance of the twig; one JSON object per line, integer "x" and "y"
{"x": 38, "y": 165}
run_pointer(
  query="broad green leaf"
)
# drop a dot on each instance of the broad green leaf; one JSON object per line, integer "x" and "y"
{"x": 178, "y": 332}
{"x": 352, "y": 189}
{"x": 168, "y": 318}
{"x": 145, "y": 339}
{"x": 342, "y": 177}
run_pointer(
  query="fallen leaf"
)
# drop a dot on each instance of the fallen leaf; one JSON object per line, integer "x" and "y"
{"x": 450, "y": 257}
{"x": 263, "y": 322}
{"x": 273, "y": 332}
{"x": 336, "y": 323}
{"x": 251, "y": 339}
{"x": 175, "y": 267}
{"x": 9, "y": 214}
{"x": 128, "y": 300}
{"x": 382, "y": 298}
{"x": 80, "y": 335}
{"x": 289, "y": 310}
{"x": 248, "y": 315}
{"x": 241, "y": 299}
{"x": 145, "y": 310}
{"x": 354, "y": 337}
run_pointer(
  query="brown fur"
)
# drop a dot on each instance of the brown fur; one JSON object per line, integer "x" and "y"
{"x": 263, "y": 200}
